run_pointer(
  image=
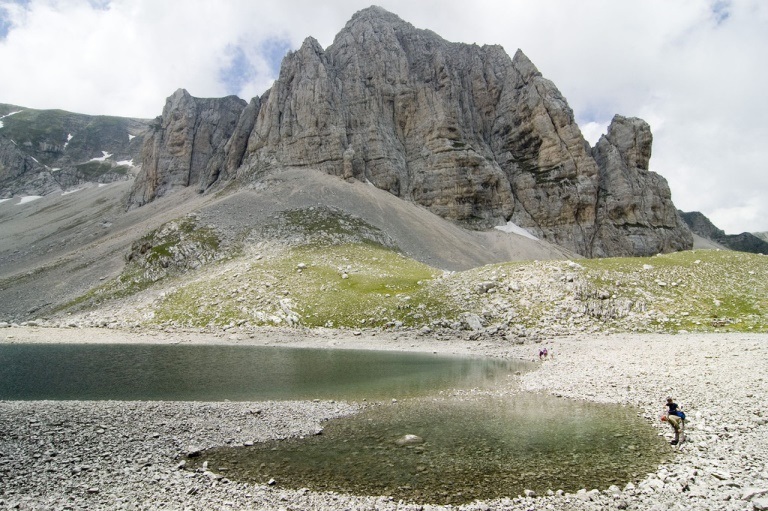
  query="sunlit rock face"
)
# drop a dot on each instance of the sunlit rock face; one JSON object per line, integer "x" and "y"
{"x": 185, "y": 145}
{"x": 473, "y": 135}
{"x": 635, "y": 210}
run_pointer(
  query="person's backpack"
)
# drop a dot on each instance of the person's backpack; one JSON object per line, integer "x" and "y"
{"x": 680, "y": 414}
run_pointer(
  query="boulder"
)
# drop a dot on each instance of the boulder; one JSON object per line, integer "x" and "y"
{"x": 409, "y": 440}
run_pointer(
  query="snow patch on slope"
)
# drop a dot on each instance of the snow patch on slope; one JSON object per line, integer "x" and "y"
{"x": 512, "y": 228}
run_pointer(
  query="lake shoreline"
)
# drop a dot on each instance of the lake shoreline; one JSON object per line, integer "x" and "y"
{"x": 129, "y": 452}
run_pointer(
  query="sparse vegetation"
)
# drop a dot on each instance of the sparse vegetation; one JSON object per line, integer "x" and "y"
{"x": 702, "y": 291}
{"x": 353, "y": 285}
{"x": 320, "y": 268}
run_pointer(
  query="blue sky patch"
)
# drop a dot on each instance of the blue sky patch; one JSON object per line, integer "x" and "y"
{"x": 239, "y": 72}
{"x": 274, "y": 50}
{"x": 5, "y": 24}
{"x": 100, "y": 5}
{"x": 721, "y": 11}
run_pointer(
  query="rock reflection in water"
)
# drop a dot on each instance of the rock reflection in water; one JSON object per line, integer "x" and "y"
{"x": 467, "y": 449}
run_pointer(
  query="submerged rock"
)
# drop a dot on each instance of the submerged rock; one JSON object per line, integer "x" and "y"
{"x": 409, "y": 440}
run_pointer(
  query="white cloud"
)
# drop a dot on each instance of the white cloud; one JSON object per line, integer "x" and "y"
{"x": 694, "y": 69}
{"x": 592, "y": 131}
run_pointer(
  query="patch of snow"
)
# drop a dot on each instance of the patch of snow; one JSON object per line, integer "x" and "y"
{"x": 126, "y": 162}
{"x": 3, "y": 200}
{"x": 69, "y": 137}
{"x": 512, "y": 228}
{"x": 34, "y": 159}
{"x": 71, "y": 191}
{"x": 131, "y": 137}
{"x": 55, "y": 169}
{"x": 28, "y": 198}
{"x": 7, "y": 115}
{"x": 104, "y": 157}
{"x": 103, "y": 184}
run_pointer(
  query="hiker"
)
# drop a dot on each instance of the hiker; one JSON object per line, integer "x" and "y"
{"x": 678, "y": 425}
{"x": 674, "y": 409}
{"x": 543, "y": 353}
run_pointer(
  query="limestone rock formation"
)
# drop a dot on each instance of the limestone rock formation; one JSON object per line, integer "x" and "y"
{"x": 744, "y": 242}
{"x": 21, "y": 174}
{"x": 635, "y": 210}
{"x": 185, "y": 146}
{"x": 43, "y": 151}
{"x": 475, "y": 136}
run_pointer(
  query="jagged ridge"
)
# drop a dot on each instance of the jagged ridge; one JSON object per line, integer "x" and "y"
{"x": 744, "y": 242}
{"x": 470, "y": 133}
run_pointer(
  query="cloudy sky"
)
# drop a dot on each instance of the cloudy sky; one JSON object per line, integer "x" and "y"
{"x": 695, "y": 70}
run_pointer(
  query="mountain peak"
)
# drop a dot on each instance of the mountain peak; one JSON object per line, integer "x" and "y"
{"x": 465, "y": 131}
{"x": 377, "y": 14}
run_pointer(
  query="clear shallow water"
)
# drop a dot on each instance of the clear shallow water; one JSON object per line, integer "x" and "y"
{"x": 474, "y": 448}
{"x": 237, "y": 373}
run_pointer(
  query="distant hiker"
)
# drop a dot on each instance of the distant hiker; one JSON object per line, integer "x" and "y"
{"x": 543, "y": 353}
{"x": 674, "y": 409}
{"x": 678, "y": 425}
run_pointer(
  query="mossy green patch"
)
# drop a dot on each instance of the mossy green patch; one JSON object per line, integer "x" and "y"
{"x": 701, "y": 290}
{"x": 352, "y": 285}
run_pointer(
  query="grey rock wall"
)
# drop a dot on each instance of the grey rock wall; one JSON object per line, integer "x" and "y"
{"x": 21, "y": 174}
{"x": 744, "y": 242}
{"x": 636, "y": 214}
{"x": 185, "y": 145}
{"x": 473, "y": 135}
{"x": 43, "y": 151}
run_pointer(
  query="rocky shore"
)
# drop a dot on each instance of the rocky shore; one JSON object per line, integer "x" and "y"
{"x": 131, "y": 455}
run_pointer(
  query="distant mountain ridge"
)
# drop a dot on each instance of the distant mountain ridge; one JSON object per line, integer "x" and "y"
{"x": 744, "y": 242}
{"x": 42, "y": 151}
{"x": 473, "y": 135}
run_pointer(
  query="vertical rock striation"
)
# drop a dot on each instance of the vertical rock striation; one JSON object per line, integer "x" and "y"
{"x": 636, "y": 215}
{"x": 185, "y": 145}
{"x": 475, "y": 136}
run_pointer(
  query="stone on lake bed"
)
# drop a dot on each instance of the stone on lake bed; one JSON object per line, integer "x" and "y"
{"x": 409, "y": 440}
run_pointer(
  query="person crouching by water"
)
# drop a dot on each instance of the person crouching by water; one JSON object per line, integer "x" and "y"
{"x": 678, "y": 425}
{"x": 674, "y": 409}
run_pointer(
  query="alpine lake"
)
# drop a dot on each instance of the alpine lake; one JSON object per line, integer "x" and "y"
{"x": 436, "y": 429}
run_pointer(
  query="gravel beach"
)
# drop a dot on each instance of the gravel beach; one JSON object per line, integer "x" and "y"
{"x": 130, "y": 455}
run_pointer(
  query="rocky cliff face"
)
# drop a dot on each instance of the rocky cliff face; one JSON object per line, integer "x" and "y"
{"x": 468, "y": 132}
{"x": 21, "y": 173}
{"x": 43, "y": 151}
{"x": 185, "y": 145}
{"x": 744, "y": 242}
{"x": 635, "y": 210}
